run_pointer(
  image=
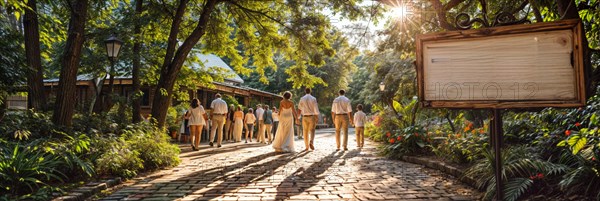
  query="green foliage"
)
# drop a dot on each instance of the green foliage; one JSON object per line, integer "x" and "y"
{"x": 410, "y": 140}
{"x": 140, "y": 147}
{"x": 521, "y": 169}
{"x": 26, "y": 124}
{"x": 26, "y": 166}
{"x": 12, "y": 61}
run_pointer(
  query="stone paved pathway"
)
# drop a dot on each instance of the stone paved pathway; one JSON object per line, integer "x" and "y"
{"x": 239, "y": 171}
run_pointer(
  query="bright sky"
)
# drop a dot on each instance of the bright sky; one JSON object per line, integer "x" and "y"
{"x": 355, "y": 30}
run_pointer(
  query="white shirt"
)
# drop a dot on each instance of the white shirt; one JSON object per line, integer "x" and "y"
{"x": 219, "y": 106}
{"x": 197, "y": 116}
{"x": 259, "y": 113}
{"x": 250, "y": 118}
{"x": 308, "y": 105}
{"x": 359, "y": 119}
{"x": 341, "y": 105}
{"x": 275, "y": 116}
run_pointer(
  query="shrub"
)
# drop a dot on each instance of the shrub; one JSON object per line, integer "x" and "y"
{"x": 461, "y": 147}
{"x": 141, "y": 147}
{"x": 411, "y": 140}
{"x": 523, "y": 170}
{"x": 26, "y": 166}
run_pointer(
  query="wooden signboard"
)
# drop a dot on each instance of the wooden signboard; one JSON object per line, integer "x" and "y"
{"x": 520, "y": 66}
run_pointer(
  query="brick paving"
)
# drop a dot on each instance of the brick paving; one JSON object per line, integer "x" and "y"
{"x": 239, "y": 171}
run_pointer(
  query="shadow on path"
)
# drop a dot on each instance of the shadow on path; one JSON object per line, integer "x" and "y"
{"x": 303, "y": 179}
{"x": 251, "y": 174}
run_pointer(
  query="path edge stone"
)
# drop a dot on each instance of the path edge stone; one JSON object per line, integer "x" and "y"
{"x": 88, "y": 190}
{"x": 441, "y": 166}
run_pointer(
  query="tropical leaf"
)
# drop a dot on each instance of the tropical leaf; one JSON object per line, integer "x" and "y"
{"x": 577, "y": 143}
{"x": 516, "y": 187}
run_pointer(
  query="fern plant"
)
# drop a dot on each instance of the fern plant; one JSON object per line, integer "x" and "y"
{"x": 522, "y": 169}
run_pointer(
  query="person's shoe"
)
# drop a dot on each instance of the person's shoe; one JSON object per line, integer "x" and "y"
{"x": 306, "y": 149}
{"x": 246, "y": 141}
{"x": 193, "y": 148}
{"x": 338, "y": 149}
{"x": 312, "y": 147}
{"x": 345, "y": 149}
{"x": 211, "y": 144}
{"x": 218, "y": 146}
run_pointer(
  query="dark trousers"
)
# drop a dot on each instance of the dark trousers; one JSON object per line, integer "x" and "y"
{"x": 275, "y": 124}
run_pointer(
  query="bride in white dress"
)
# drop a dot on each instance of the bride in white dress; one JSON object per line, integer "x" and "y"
{"x": 284, "y": 137}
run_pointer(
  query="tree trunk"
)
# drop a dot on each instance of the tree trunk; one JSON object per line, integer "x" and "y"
{"x": 171, "y": 67}
{"x": 35, "y": 74}
{"x": 65, "y": 102}
{"x": 136, "y": 101}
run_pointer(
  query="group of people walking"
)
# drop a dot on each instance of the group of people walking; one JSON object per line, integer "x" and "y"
{"x": 276, "y": 125}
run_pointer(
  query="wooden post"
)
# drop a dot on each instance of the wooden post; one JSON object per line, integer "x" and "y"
{"x": 496, "y": 141}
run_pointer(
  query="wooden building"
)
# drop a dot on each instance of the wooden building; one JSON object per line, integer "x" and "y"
{"x": 232, "y": 86}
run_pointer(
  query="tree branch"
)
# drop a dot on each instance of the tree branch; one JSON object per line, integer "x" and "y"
{"x": 452, "y": 4}
{"x": 521, "y": 7}
{"x": 262, "y": 14}
{"x": 441, "y": 14}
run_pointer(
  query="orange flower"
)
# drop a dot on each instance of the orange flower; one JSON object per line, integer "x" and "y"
{"x": 458, "y": 135}
{"x": 481, "y": 131}
{"x": 392, "y": 141}
{"x": 540, "y": 176}
{"x": 399, "y": 138}
{"x": 417, "y": 134}
{"x": 593, "y": 158}
{"x": 577, "y": 124}
{"x": 567, "y": 132}
{"x": 388, "y": 134}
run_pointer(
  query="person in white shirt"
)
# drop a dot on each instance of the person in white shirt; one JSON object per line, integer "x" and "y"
{"x": 260, "y": 136}
{"x": 218, "y": 115}
{"x": 250, "y": 120}
{"x": 309, "y": 109}
{"x": 197, "y": 119}
{"x": 360, "y": 118}
{"x": 341, "y": 113}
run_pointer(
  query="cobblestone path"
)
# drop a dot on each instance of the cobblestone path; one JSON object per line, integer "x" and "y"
{"x": 239, "y": 171}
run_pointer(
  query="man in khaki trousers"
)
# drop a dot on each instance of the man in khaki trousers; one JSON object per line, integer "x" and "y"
{"x": 218, "y": 115}
{"x": 309, "y": 109}
{"x": 341, "y": 113}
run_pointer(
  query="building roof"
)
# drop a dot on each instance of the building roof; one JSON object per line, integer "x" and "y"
{"x": 208, "y": 61}
{"x": 211, "y": 60}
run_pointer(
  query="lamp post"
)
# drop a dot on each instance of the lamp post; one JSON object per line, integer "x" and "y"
{"x": 113, "y": 47}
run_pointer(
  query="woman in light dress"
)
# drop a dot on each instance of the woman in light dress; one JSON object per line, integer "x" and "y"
{"x": 238, "y": 119}
{"x": 250, "y": 120}
{"x": 197, "y": 117}
{"x": 284, "y": 138}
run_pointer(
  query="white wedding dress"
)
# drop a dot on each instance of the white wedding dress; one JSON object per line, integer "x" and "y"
{"x": 284, "y": 137}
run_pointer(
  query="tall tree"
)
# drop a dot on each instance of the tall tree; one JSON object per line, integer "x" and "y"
{"x": 35, "y": 84}
{"x": 64, "y": 106}
{"x": 136, "y": 101}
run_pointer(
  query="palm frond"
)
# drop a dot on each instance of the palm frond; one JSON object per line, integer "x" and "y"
{"x": 516, "y": 187}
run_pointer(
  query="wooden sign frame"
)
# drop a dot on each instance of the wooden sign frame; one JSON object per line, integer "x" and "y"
{"x": 574, "y": 26}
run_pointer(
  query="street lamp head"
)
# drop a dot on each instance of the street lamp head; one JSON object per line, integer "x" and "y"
{"x": 381, "y": 86}
{"x": 113, "y": 46}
